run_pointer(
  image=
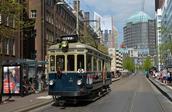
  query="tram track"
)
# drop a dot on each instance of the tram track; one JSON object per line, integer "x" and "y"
{"x": 131, "y": 94}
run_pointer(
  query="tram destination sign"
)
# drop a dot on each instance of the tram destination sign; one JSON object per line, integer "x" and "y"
{"x": 69, "y": 38}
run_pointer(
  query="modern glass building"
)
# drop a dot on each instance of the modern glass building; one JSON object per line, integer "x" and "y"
{"x": 159, "y": 37}
{"x": 140, "y": 33}
{"x": 167, "y": 30}
{"x": 166, "y": 21}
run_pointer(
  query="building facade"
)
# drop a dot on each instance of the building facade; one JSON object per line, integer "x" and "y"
{"x": 159, "y": 36}
{"x": 167, "y": 31}
{"x": 166, "y": 21}
{"x": 158, "y": 4}
{"x": 119, "y": 59}
{"x": 10, "y": 41}
{"x": 140, "y": 33}
{"x": 52, "y": 20}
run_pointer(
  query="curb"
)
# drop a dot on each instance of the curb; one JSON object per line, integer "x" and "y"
{"x": 160, "y": 89}
{"x": 33, "y": 106}
{"x": 115, "y": 79}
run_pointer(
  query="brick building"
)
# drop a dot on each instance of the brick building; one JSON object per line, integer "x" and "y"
{"x": 52, "y": 20}
{"x": 10, "y": 40}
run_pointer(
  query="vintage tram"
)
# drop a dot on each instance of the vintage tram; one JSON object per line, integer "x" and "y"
{"x": 77, "y": 71}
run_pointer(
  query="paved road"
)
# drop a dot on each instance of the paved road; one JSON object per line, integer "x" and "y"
{"x": 132, "y": 94}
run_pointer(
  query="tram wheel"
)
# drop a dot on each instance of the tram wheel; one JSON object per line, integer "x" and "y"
{"x": 61, "y": 102}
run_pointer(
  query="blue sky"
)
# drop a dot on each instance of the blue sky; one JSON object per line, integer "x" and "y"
{"x": 120, "y": 9}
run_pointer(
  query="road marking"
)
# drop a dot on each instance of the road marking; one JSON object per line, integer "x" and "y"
{"x": 44, "y": 97}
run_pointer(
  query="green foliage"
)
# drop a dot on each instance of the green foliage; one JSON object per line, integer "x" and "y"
{"x": 17, "y": 13}
{"x": 147, "y": 64}
{"x": 128, "y": 63}
{"x": 163, "y": 50}
{"x": 89, "y": 40}
{"x": 10, "y": 9}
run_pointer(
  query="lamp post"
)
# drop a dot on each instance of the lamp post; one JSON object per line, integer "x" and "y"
{"x": 54, "y": 27}
{"x": 77, "y": 17}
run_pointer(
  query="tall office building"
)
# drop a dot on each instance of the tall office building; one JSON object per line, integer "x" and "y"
{"x": 166, "y": 31}
{"x": 158, "y": 4}
{"x": 140, "y": 33}
{"x": 166, "y": 21}
{"x": 159, "y": 36}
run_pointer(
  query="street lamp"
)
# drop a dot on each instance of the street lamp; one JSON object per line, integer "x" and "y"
{"x": 57, "y": 3}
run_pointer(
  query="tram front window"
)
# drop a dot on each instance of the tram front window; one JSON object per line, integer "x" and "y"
{"x": 52, "y": 63}
{"x": 80, "y": 62}
{"x": 60, "y": 62}
{"x": 70, "y": 62}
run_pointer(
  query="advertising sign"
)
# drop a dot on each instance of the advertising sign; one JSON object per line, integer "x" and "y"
{"x": 11, "y": 79}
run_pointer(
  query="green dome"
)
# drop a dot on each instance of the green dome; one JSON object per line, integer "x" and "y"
{"x": 139, "y": 17}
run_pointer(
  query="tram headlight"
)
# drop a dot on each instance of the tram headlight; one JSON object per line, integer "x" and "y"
{"x": 51, "y": 82}
{"x": 79, "y": 82}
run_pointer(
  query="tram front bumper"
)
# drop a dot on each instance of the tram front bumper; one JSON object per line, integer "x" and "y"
{"x": 68, "y": 93}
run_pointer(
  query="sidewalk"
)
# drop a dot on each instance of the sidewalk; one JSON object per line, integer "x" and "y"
{"x": 164, "y": 88}
{"x": 23, "y": 104}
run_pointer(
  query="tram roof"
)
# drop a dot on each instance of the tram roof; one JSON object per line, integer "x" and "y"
{"x": 77, "y": 45}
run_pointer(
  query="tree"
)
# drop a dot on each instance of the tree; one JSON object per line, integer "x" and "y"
{"x": 128, "y": 63}
{"x": 10, "y": 23}
{"x": 147, "y": 64}
{"x": 165, "y": 48}
{"x": 10, "y": 11}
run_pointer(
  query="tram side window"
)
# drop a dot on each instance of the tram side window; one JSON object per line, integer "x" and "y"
{"x": 108, "y": 66}
{"x": 52, "y": 63}
{"x": 70, "y": 62}
{"x": 99, "y": 66}
{"x": 60, "y": 62}
{"x": 95, "y": 64}
{"x": 80, "y": 62}
{"x": 89, "y": 67}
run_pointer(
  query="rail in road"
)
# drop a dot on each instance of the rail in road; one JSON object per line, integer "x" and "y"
{"x": 130, "y": 94}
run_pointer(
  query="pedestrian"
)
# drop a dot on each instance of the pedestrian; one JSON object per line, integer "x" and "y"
{"x": 168, "y": 77}
{"x": 161, "y": 76}
{"x": 164, "y": 76}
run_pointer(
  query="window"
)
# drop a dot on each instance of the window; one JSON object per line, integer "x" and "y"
{"x": 99, "y": 66}
{"x": 33, "y": 13}
{"x": 95, "y": 64}
{"x": 49, "y": 2}
{"x": 7, "y": 21}
{"x": 60, "y": 62}
{"x": 0, "y": 45}
{"x": 6, "y": 46}
{"x": 80, "y": 62}
{"x": 0, "y": 19}
{"x": 14, "y": 23}
{"x": 13, "y": 48}
{"x": 52, "y": 63}
{"x": 70, "y": 63}
{"x": 89, "y": 65}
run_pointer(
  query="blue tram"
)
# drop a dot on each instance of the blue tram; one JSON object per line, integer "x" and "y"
{"x": 77, "y": 71}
